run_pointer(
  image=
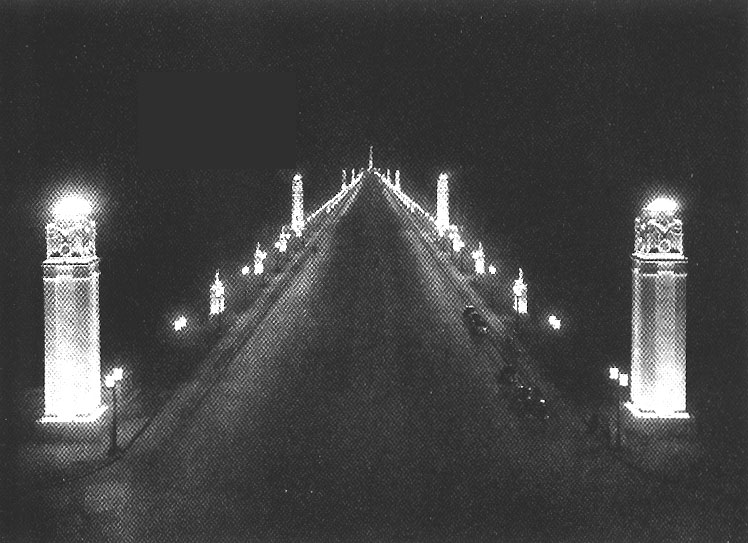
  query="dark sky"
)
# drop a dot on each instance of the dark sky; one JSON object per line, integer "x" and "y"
{"x": 557, "y": 121}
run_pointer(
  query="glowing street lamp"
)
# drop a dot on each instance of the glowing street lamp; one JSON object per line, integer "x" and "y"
{"x": 554, "y": 321}
{"x": 622, "y": 380}
{"x": 259, "y": 258}
{"x": 180, "y": 323}
{"x": 72, "y": 375}
{"x": 492, "y": 269}
{"x": 217, "y": 297}
{"x": 245, "y": 270}
{"x": 111, "y": 381}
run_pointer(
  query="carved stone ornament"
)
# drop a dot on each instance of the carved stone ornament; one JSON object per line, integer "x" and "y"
{"x": 658, "y": 231}
{"x": 71, "y": 238}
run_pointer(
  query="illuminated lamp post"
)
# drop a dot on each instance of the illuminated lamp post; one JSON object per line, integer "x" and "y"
{"x": 111, "y": 381}
{"x": 480, "y": 260}
{"x": 442, "y": 204}
{"x": 658, "y": 319}
{"x": 397, "y": 179}
{"x": 259, "y": 258}
{"x": 297, "y": 213}
{"x": 217, "y": 297}
{"x": 622, "y": 381}
{"x": 72, "y": 374}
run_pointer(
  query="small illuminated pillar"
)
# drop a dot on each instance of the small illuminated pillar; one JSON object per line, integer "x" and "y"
{"x": 297, "y": 213}
{"x": 389, "y": 177}
{"x": 658, "y": 319}
{"x": 480, "y": 260}
{"x": 520, "y": 294}
{"x": 342, "y": 186}
{"x": 217, "y": 297}
{"x": 397, "y": 179}
{"x": 259, "y": 258}
{"x": 454, "y": 235}
{"x": 442, "y": 204}
{"x": 72, "y": 375}
{"x": 371, "y": 158}
{"x": 353, "y": 175}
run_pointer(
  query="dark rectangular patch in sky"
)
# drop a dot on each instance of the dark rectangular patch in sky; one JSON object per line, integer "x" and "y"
{"x": 216, "y": 120}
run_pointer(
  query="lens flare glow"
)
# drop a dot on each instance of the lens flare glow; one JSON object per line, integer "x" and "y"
{"x": 72, "y": 207}
{"x": 662, "y": 205}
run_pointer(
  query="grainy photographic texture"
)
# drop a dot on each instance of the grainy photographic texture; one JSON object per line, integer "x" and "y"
{"x": 284, "y": 271}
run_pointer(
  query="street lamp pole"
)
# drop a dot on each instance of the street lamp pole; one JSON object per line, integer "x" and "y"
{"x": 111, "y": 382}
{"x": 113, "y": 438}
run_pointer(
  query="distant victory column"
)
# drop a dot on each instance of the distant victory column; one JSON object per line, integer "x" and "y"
{"x": 658, "y": 321}
{"x": 72, "y": 375}
{"x": 442, "y": 204}
{"x": 297, "y": 213}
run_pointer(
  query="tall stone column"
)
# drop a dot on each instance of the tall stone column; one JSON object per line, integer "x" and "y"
{"x": 658, "y": 317}
{"x": 72, "y": 372}
{"x": 297, "y": 212}
{"x": 442, "y": 204}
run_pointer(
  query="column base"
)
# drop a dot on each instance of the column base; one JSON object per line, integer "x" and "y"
{"x": 653, "y": 424}
{"x": 72, "y": 428}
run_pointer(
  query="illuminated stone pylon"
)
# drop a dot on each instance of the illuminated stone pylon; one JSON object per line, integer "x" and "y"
{"x": 442, "y": 204}
{"x": 72, "y": 373}
{"x": 658, "y": 321}
{"x": 260, "y": 256}
{"x": 217, "y": 297}
{"x": 297, "y": 212}
{"x": 480, "y": 260}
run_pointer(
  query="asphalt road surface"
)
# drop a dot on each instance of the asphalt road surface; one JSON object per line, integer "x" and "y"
{"x": 362, "y": 409}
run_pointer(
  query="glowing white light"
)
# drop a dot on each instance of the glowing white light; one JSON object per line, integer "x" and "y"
{"x": 109, "y": 381}
{"x": 117, "y": 373}
{"x": 623, "y": 379}
{"x": 480, "y": 260}
{"x": 663, "y": 205}
{"x": 217, "y": 297}
{"x": 554, "y": 322}
{"x": 520, "y": 294}
{"x": 72, "y": 207}
{"x": 297, "y": 213}
{"x": 282, "y": 243}
{"x": 613, "y": 373}
{"x": 259, "y": 258}
{"x": 442, "y": 204}
{"x": 492, "y": 269}
{"x": 180, "y": 323}
{"x": 397, "y": 179}
{"x": 371, "y": 157}
{"x": 245, "y": 270}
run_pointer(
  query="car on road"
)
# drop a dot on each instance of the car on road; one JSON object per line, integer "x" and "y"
{"x": 474, "y": 321}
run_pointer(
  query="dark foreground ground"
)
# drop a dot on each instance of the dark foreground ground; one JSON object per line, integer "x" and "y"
{"x": 361, "y": 409}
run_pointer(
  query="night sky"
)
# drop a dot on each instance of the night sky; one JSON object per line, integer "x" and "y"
{"x": 557, "y": 122}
